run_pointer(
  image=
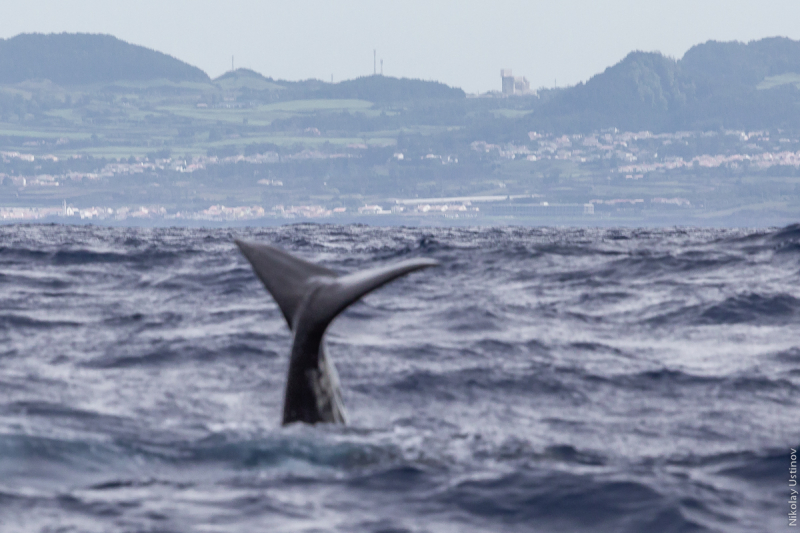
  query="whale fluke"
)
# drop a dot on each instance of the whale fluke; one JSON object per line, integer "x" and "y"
{"x": 310, "y": 297}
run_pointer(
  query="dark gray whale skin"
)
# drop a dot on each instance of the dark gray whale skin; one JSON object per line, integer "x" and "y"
{"x": 310, "y": 297}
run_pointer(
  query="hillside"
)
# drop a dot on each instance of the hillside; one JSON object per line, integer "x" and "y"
{"x": 716, "y": 68}
{"x": 715, "y": 85}
{"x": 81, "y": 58}
{"x": 378, "y": 89}
{"x": 643, "y": 88}
{"x": 247, "y": 80}
{"x": 389, "y": 89}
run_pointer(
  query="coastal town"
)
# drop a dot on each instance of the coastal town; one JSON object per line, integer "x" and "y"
{"x": 638, "y": 159}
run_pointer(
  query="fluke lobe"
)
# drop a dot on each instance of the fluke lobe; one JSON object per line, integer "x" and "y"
{"x": 310, "y": 297}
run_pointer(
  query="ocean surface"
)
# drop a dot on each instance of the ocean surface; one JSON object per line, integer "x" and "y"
{"x": 548, "y": 380}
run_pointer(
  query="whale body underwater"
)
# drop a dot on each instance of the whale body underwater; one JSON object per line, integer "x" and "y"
{"x": 310, "y": 296}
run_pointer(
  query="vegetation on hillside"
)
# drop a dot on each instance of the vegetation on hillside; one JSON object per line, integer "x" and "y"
{"x": 378, "y": 89}
{"x": 715, "y": 85}
{"x": 82, "y": 58}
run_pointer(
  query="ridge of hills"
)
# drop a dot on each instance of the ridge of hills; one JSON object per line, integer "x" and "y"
{"x": 378, "y": 89}
{"x": 84, "y": 59}
{"x": 714, "y": 85}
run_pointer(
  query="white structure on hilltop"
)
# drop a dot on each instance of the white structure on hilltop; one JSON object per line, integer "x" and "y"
{"x": 512, "y": 85}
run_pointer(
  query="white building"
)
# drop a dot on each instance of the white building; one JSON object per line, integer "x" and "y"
{"x": 512, "y": 85}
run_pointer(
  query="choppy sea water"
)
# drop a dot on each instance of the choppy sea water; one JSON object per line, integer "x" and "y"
{"x": 553, "y": 380}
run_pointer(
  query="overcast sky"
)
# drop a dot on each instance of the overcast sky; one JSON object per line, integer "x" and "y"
{"x": 462, "y": 43}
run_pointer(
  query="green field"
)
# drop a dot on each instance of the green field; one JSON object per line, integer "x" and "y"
{"x": 774, "y": 81}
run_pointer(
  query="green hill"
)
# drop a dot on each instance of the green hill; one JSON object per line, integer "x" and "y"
{"x": 378, "y": 89}
{"x": 716, "y": 67}
{"x": 81, "y": 58}
{"x": 714, "y": 85}
{"x": 389, "y": 89}
{"x": 643, "y": 88}
{"x": 246, "y": 79}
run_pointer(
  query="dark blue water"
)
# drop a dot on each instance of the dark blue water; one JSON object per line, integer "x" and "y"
{"x": 539, "y": 380}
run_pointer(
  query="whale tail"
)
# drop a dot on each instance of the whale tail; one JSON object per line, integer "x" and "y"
{"x": 289, "y": 280}
{"x": 310, "y": 297}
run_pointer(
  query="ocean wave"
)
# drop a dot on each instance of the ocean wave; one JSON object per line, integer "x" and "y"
{"x": 569, "y": 502}
{"x": 744, "y": 308}
{"x": 558, "y": 379}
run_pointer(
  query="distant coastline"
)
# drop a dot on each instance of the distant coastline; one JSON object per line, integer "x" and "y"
{"x": 710, "y": 139}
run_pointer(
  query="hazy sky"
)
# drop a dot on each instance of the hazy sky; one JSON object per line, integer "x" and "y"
{"x": 462, "y": 43}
